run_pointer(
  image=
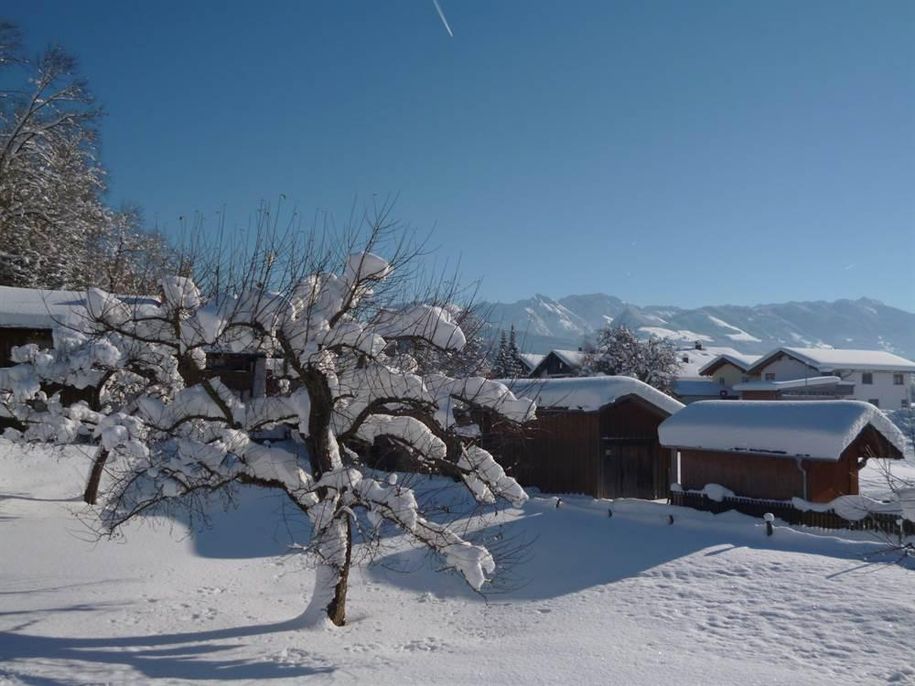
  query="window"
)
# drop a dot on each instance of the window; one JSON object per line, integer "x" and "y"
{"x": 867, "y": 378}
{"x": 898, "y": 379}
{"x": 770, "y": 376}
{"x": 875, "y": 402}
{"x": 722, "y": 381}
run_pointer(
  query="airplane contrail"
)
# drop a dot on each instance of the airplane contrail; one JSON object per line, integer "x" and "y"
{"x": 438, "y": 8}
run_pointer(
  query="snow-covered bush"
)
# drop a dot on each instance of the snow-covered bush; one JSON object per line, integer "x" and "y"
{"x": 174, "y": 429}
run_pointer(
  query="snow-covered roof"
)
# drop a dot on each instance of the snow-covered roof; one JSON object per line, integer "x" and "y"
{"x": 698, "y": 358}
{"x": 739, "y": 360}
{"x": 36, "y": 308}
{"x": 815, "y": 429}
{"x": 573, "y": 358}
{"x": 590, "y": 393}
{"x": 33, "y": 308}
{"x": 531, "y": 360}
{"x": 790, "y": 383}
{"x": 829, "y": 359}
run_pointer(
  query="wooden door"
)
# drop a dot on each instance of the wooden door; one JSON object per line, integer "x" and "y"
{"x": 634, "y": 468}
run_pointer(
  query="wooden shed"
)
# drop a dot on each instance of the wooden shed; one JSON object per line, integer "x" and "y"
{"x": 29, "y": 315}
{"x": 778, "y": 450}
{"x": 593, "y": 435}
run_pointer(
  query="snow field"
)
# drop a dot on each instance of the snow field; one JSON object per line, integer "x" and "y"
{"x": 627, "y": 599}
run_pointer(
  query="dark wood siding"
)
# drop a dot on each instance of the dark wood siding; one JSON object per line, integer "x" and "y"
{"x": 553, "y": 366}
{"x": 607, "y": 454}
{"x": 236, "y": 370}
{"x": 748, "y": 475}
{"x": 634, "y": 465}
{"x": 558, "y": 453}
{"x": 13, "y": 337}
{"x": 759, "y": 395}
{"x": 780, "y": 478}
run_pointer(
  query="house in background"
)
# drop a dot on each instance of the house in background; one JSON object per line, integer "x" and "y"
{"x": 729, "y": 369}
{"x": 779, "y": 450}
{"x": 694, "y": 382}
{"x": 594, "y": 435}
{"x": 811, "y": 388}
{"x": 875, "y": 376}
{"x": 559, "y": 364}
{"x": 530, "y": 362}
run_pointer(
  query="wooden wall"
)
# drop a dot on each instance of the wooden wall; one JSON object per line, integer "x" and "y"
{"x": 558, "y": 453}
{"x": 608, "y": 454}
{"x": 751, "y": 476}
{"x": 634, "y": 464}
{"x": 778, "y": 478}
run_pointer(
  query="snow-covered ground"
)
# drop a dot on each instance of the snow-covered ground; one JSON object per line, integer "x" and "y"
{"x": 627, "y": 599}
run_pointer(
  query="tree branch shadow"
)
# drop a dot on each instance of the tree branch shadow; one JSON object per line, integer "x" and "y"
{"x": 188, "y": 655}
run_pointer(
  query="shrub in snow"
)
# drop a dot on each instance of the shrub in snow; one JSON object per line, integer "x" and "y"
{"x": 173, "y": 429}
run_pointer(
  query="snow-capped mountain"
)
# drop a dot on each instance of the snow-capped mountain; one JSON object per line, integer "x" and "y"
{"x": 545, "y": 323}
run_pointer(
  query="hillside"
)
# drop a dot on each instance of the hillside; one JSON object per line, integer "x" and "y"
{"x": 864, "y": 323}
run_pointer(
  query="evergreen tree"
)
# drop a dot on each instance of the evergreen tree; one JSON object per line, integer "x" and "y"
{"x": 500, "y": 366}
{"x": 514, "y": 366}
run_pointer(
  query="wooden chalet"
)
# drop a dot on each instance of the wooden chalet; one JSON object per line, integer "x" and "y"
{"x": 592, "y": 435}
{"x": 778, "y": 450}
{"x": 559, "y": 364}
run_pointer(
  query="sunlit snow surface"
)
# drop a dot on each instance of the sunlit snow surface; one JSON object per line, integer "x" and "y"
{"x": 627, "y": 599}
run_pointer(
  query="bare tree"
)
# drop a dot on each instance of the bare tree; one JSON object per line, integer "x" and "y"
{"x": 337, "y": 317}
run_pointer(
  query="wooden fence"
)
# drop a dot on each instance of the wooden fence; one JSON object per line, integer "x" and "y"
{"x": 885, "y": 523}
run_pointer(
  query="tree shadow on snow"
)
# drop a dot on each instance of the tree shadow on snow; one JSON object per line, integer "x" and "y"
{"x": 190, "y": 655}
{"x": 26, "y": 496}
{"x": 257, "y": 523}
{"x": 549, "y": 559}
{"x": 554, "y": 552}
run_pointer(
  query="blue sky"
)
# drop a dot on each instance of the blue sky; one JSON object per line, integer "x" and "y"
{"x": 683, "y": 153}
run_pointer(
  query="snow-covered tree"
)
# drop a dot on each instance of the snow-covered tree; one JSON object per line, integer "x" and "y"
{"x": 507, "y": 363}
{"x": 55, "y": 229}
{"x": 169, "y": 429}
{"x": 470, "y": 360}
{"x": 619, "y": 351}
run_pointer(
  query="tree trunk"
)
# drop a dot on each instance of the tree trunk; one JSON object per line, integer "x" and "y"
{"x": 336, "y": 610}
{"x": 95, "y": 476}
{"x": 325, "y": 457}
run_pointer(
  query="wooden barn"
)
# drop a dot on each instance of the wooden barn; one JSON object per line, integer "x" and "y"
{"x": 778, "y": 450}
{"x": 593, "y": 435}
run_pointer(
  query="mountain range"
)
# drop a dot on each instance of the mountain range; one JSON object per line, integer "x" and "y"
{"x": 543, "y": 323}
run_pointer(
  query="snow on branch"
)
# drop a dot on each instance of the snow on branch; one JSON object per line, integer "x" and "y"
{"x": 175, "y": 429}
